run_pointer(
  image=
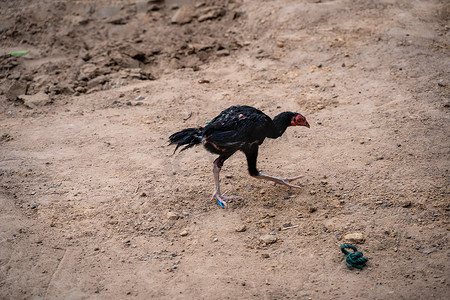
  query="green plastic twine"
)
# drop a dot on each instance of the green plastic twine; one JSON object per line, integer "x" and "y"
{"x": 354, "y": 259}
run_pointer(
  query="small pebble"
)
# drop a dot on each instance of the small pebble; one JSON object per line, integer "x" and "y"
{"x": 223, "y": 52}
{"x": 172, "y": 215}
{"x": 406, "y": 204}
{"x": 241, "y": 228}
{"x": 356, "y": 237}
{"x": 312, "y": 209}
{"x": 428, "y": 251}
{"x": 268, "y": 239}
{"x": 184, "y": 233}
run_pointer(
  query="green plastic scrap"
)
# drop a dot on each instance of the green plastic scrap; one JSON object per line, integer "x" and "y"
{"x": 18, "y": 53}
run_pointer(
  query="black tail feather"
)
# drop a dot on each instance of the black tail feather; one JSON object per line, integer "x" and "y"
{"x": 189, "y": 137}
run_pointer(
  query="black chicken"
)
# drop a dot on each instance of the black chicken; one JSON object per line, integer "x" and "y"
{"x": 238, "y": 128}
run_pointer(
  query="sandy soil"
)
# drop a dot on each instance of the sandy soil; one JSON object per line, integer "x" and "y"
{"x": 90, "y": 190}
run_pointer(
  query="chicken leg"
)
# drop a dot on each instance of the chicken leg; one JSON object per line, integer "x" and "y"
{"x": 221, "y": 198}
{"x": 279, "y": 180}
{"x": 252, "y": 155}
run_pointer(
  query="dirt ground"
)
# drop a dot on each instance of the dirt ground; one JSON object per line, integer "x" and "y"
{"x": 94, "y": 205}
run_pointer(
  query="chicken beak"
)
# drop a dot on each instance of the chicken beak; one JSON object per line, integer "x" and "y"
{"x": 307, "y": 124}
